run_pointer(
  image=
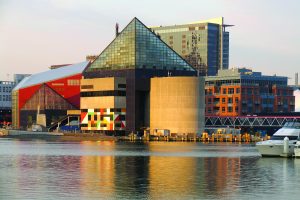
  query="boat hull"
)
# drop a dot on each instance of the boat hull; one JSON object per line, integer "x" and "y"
{"x": 297, "y": 150}
{"x": 270, "y": 149}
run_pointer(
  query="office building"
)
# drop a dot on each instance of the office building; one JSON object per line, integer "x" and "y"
{"x": 204, "y": 44}
{"x": 237, "y": 92}
{"x": 5, "y": 101}
{"x": 6, "y": 88}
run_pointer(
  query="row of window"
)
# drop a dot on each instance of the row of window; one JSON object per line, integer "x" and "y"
{"x": 103, "y": 125}
{"x": 5, "y": 89}
{"x": 101, "y": 117}
{"x": 5, "y": 97}
{"x": 223, "y": 109}
{"x": 103, "y": 93}
{"x": 229, "y": 100}
{"x": 231, "y": 91}
{"x": 73, "y": 82}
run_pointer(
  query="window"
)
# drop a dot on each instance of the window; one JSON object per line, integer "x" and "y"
{"x": 249, "y": 91}
{"x": 244, "y": 91}
{"x": 209, "y": 100}
{"x": 229, "y": 109}
{"x": 121, "y": 85}
{"x": 223, "y": 100}
{"x": 103, "y": 93}
{"x": 236, "y": 100}
{"x": 230, "y": 100}
{"x": 87, "y": 87}
{"x": 237, "y": 109}
{"x": 223, "y": 109}
{"x": 224, "y": 90}
{"x": 231, "y": 91}
{"x": 57, "y": 84}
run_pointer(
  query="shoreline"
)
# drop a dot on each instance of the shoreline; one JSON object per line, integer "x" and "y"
{"x": 77, "y": 137}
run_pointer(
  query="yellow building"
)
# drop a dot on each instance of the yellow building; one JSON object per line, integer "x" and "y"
{"x": 177, "y": 104}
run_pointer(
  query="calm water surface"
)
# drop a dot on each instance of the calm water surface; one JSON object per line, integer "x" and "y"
{"x": 113, "y": 170}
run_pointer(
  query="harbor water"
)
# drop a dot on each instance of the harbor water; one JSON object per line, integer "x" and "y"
{"x": 37, "y": 169}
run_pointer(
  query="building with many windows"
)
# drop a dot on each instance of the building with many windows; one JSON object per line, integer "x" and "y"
{"x": 204, "y": 44}
{"x": 6, "y": 88}
{"x": 237, "y": 92}
{"x": 118, "y": 89}
{"x": 5, "y": 101}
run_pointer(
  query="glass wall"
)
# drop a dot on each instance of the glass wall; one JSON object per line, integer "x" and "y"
{"x": 138, "y": 47}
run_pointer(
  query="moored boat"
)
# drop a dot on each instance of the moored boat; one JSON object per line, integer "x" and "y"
{"x": 282, "y": 142}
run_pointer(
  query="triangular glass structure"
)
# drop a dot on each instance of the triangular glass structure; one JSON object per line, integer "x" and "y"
{"x": 137, "y": 47}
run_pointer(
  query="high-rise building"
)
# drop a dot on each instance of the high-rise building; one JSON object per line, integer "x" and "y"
{"x": 237, "y": 92}
{"x": 204, "y": 44}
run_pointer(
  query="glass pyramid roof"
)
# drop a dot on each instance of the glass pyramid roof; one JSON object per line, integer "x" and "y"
{"x": 138, "y": 47}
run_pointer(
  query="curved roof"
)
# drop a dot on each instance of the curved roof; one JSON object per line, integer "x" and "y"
{"x": 52, "y": 75}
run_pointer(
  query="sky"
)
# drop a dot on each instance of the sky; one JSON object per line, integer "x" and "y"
{"x": 35, "y": 34}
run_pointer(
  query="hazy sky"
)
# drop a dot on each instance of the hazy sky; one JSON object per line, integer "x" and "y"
{"x": 35, "y": 34}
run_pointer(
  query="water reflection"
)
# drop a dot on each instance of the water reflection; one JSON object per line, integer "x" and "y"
{"x": 109, "y": 170}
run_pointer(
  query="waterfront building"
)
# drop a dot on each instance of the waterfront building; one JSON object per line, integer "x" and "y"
{"x": 237, "y": 92}
{"x": 5, "y": 101}
{"x": 297, "y": 100}
{"x": 116, "y": 90}
{"x": 178, "y": 104}
{"x": 45, "y": 97}
{"x": 204, "y": 44}
{"x": 103, "y": 104}
{"x": 6, "y": 88}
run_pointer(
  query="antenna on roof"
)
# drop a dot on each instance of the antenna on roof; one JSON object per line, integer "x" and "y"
{"x": 117, "y": 29}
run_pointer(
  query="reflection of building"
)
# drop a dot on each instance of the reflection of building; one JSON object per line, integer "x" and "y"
{"x": 238, "y": 92}
{"x": 97, "y": 173}
{"x": 222, "y": 172}
{"x": 204, "y": 44}
{"x": 50, "y": 93}
{"x": 134, "y": 56}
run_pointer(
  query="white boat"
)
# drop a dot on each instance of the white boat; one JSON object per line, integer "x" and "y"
{"x": 275, "y": 146}
{"x": 297, "y": 149}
